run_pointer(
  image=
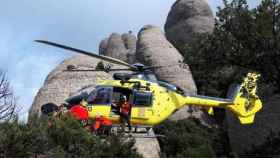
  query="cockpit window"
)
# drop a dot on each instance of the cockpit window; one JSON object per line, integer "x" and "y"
{"x": 145, "y": 76}
{"x": 100, "y": 96}
{"x": 167, "y": 85}
{"x": 143, "y": 98}
{"x": 118, "y": 91}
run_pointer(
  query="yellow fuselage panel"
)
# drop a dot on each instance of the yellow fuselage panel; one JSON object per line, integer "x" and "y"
{"x": 162, "y": 107}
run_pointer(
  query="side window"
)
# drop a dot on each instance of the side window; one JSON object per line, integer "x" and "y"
{"x": 100, "y": 96}
{"x": 118, "y": 91}
{"x": 143, "y": 98}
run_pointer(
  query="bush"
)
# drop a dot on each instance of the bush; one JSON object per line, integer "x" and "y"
{"x": 269, "y": 149}
{"x": 64, "y": 137}
{"x": 189, "y": 138}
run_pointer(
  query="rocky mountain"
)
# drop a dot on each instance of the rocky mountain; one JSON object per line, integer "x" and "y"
{"x": 119, "y": 46}
{"x": 186, "y": 19}
{"x": 153, "y": 49}
{"x": 59, "y": 84}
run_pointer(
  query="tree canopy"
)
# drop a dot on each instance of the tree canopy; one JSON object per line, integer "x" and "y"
{"x": 243, "y": 40}
{"x": 59, "y": 137}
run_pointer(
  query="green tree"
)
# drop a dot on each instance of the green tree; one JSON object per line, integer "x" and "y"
{"x": 243, "y": 40}
{"x": 269, "y": 149}
{"x": 189, "y": 138}
{"x": 63, "y": 137}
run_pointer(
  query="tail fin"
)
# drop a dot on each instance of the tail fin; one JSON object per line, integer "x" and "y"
{"x": 246, "y": 102}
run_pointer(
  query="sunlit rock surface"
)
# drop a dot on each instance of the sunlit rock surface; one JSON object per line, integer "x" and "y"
{"x": 153, "y": 49}
{"x": 187, "y": 18}
{"x": 118, "y": 46}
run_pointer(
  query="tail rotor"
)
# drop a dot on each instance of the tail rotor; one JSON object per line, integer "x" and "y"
{"x": 246, "y": 101}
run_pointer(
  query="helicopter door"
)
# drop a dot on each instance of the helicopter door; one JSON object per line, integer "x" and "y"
{"x": 117, "y": 92}
{"x": 142, "y": 105}
{"x": 99, "y": 101}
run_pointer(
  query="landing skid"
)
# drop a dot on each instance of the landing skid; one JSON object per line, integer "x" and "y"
{"x": 135, "y": 132}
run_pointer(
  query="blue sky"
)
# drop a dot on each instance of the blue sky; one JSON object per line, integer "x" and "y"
{"x": 80, "y": 24}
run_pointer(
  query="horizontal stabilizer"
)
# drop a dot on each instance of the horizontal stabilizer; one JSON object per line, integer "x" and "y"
{"x": 246, "y": 120}
{"x": 210, "y": 110}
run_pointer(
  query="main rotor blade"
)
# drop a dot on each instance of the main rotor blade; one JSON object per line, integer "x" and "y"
{"x": 158, "y": 67}
{"x": 96, "y": 70}
{"x": 106, "y": 58}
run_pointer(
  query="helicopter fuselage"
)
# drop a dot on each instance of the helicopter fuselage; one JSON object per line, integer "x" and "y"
{"x": 153, "y": 103}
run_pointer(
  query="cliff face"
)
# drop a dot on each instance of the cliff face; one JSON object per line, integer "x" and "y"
{"x": 153, "y": 49}
{"x": 60, "y": 84}
{"x": 186, "y": 19}
{"x": 119, "y": 46}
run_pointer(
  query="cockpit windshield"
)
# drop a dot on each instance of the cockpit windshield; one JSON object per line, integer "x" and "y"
{"x": 100, "y": 96}
{"x": 145, "y": 76}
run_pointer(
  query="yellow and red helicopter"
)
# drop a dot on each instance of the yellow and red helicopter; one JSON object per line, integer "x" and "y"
{"x": 153, "y": 101}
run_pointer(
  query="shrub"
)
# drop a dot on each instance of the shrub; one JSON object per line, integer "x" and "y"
{"x": 64, "y": 137}
{"x": 189, "y": 138}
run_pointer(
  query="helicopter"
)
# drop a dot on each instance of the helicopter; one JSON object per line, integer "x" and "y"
{"x": 153, "y": 101}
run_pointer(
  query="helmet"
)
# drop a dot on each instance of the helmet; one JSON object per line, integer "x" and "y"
{"x": 123, "y": 98}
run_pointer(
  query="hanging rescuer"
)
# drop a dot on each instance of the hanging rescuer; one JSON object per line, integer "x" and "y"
{"x": 80, "y": 112}
{"x": 100, "y": 125}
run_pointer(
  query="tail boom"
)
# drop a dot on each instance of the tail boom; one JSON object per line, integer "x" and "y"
{"x": 243, "y": 102}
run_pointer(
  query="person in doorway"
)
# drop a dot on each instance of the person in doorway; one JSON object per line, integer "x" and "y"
{"x": 124, "y": 110}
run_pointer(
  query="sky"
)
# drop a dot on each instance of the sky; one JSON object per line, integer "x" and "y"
{"x": 82, "y": 24}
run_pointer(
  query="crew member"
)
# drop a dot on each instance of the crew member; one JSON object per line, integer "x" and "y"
{"x": 102, "y": 125}
{"x": 124, "y": 110}
{"x": 80, "y": 112}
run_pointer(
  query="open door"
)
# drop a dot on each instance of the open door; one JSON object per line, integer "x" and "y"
{"x": 116, "y": 95}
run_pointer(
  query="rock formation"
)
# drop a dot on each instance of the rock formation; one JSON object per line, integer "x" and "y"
{"x": 60, "y": 84}
{"x": 153, "y": 49}
{"x": 119, "y": 46}
{"x": 187, "y": 18}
